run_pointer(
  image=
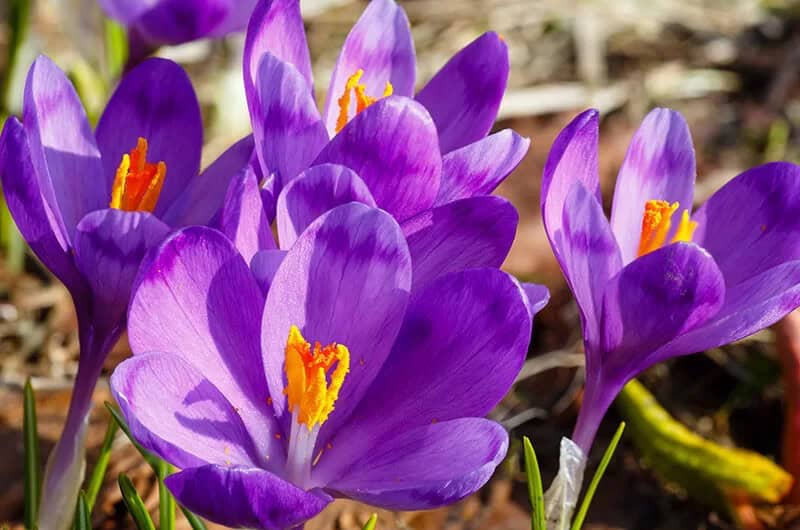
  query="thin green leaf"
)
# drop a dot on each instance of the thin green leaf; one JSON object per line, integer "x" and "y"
{"x": 147, "y": 455}
{"x": 577, "y": 523}
{"x": 116, "y": 41}
{"x": 134, "y": 504}
{"x": 535, "y": 491}
{"x": 371, "y": 522}
{"x": 18, "y": 21}
{"x": 100, "y": 467}
{"x": 33, "y": 471}
{"x": 166, "y": 502}
{"x": 194, "y": 521}
{"x": 83, "y": 518}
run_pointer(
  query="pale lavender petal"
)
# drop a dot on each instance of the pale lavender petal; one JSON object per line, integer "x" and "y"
{"x": 179, "y": 21}
{"x": 464, "y": 234}
{"x": 176, "y": 412}
{"x": 464, "y": 96}
{"x": 538, "y": 296}
{"x": 155, "y": 101}
{"x": 243, "y": 217}
{"x": 478, "y": 168}
{"x": 380, "y": 44}
{"x": 264, "y": 265}
{"x": 314, "y": 192}
{"x": 126, "y": 11}
{"x": 392, "y": 146}
{"x": 659, "y": 165}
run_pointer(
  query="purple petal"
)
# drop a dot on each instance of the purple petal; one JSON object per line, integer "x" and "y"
{"x": 659, "y": 165}
{"x": 288, "y": 130}
{"x": 314, "y": 192}
{"x": 380, "y": 44}
{"x": 179, "y": 414}
{"x": 464, "y": 234}
{"x": 40, "y": 226}
{"x": 245, "y": 497}
{"x": 751, "y": 224}
{"x": 179, "y": 21}
{"x": 392, "y": 146}
{"x": 63, "y": 151}
{"x": 126, "y": 11}
{"x": 205, "y": 195}
{"x": 155, "y": 101}
{"x": 243, "y": 217}
{"x": 478, "y": 168}
{"x": 109, "y": 247}
{"x": 428, "y": 466}
{"x": 198, "y": 300}
{"x": 654, "y": 299}
{"x": 538, "y": 296}
{"x": 264, "y": 265}
{"x": 573, "y": 157}
{"x": 463, "y": 341}
{"x": 345, "y": 280}
{"x": 464, "y": 96}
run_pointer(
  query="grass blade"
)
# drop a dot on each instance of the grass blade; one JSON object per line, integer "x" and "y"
{"x": 147, "y": 455}
{"x": 33, "y": 470}
{"x": 116, "y": 40}
{"x": 83, "y": 519}
{"x": 166, "y": 502}
{"x": 134, "y": 504}
{"x": 535, "y": 490}
{"x": 100, "y": 467}
{"x": 577, "y": 523}
{"x": 194, "y": 521}
{"x": 371, "y": 522}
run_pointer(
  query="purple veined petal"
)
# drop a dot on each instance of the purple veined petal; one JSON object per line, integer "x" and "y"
{"x": 588, "y": 255}
{"x": 573, "y": 157}
{"x": 380, "y": 44}
{"x": 478, "y": 168}
{"x": 154, "y": 101}
{"x": 538, "y": 296}
{"x": 464, "y": 96}
{"x": 659, "y": 165}
{"x": 126, "y": 11}
{"x": 109, "y": 247}
{"x": 345, "y": 280}
{"x": 264, "y": 265}
{"x": 245, "y": 497}
{"x": 276, "y": 27}
{"x": 392, "y": 146}
{"x": 288, "y": 130}
{"x": 464, "y": 234}
{"x": 314, "y": 192}
{"x": 63, "y": 150}
{"x": 40, "y": 226}
{"x": 427, "y": 467}
{"x": 198, "y": 300}
{"x": 204, "y": 196}
{"x": 243, "y": 217}
{"x": 750, "y": 305}
{"x": 752, "y": 224}
{"x": 179, "y": 21}
{"x": 463, "y": 341}
{"x": 657, "y": 297}
{"x": 268, "y": 195}
{"x": 179, "y": 414}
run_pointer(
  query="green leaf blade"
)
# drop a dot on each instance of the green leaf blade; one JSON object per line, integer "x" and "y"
{"x": 83, "y": 518}
{"x": 99, "y": 471}
{"x": 33, "y": 470}
{"x": 371, "y": 522}
{"x": 535, "y": 490}
{"x": 134, "y": 504}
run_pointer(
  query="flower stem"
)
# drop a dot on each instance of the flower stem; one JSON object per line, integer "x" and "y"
{"x": 787, "y": 342}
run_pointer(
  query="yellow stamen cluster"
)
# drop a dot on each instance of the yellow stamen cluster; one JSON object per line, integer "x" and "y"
{"x": 138, "y": 183}
{"x": 656, "y": 223}
{"x": 363, "y": 101}
{"x": 309, "y": 392}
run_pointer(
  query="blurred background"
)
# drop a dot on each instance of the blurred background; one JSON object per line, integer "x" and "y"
{"x": 732, "y": 67}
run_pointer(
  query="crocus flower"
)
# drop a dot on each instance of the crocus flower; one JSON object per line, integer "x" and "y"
{"x": 90, "y": 204}
{"x": 340, "y": 382}
{"x": 153, "y": 23}
{"x": 411, "y": 153}
{"x": 660, "y": 280}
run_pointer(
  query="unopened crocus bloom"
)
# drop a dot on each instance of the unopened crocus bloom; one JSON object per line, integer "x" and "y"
{"x": 660, "y": 280}
{"x": 413, "y": 153}
{"x": 340, "y": 382}
{"x": 90, "y": 204}
{"x": 153, "y": 23}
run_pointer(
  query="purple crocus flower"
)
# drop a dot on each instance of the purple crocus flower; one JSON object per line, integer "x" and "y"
{"x": 90, "y": 204}
{"x": 412, "y": 154}
{"x": 340, "y": 381}
{"x": 659, "y": 280}
{"x": 153, "y": 23}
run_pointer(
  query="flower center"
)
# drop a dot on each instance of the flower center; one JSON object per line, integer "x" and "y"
{"x": 138, "y": 183}
{"x": 363, "y": 101}
{"x": 656, "y": 223}
{"x": 313, "y": 381}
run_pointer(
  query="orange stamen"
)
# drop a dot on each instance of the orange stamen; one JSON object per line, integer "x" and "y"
{"x": 137, "y": 183}
{"x": 363, "y": 100}
{"x": 656, "y": 223}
